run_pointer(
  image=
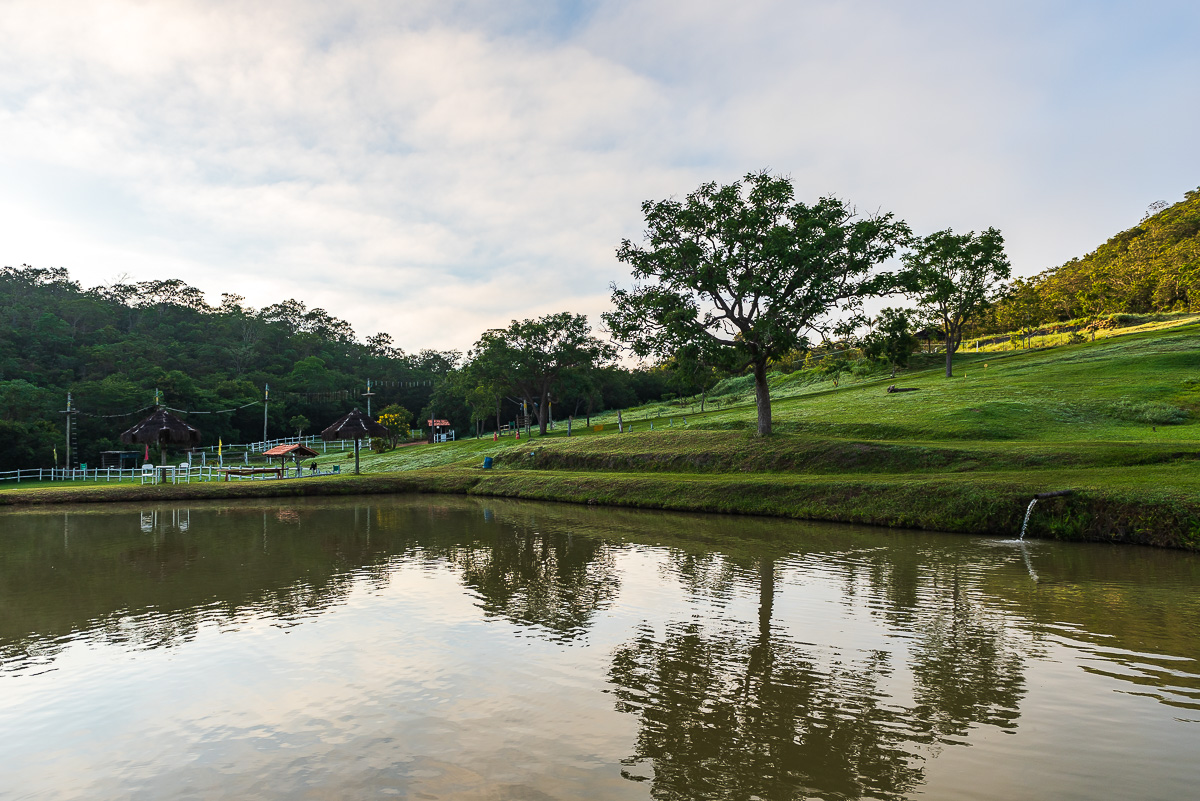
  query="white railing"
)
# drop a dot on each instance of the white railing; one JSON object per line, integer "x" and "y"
{"x": 259, "y": 447}
{"x": 161, "y": 474}
{"x": 71, "y": 474}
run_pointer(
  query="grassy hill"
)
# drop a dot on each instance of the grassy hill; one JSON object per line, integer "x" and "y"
{"x": 1117, "y": 421}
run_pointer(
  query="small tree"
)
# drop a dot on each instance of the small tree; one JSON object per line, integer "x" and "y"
{"x": 1021, "y": 309}
{"x": 300, "y": 423}
{"x": 692, "y": 375}
{"x": 954, "y": 277}
{"x": 833, "y": 368}
{"x": 891, "y": 340}
{"x": 398, "y": 422}
{"x": 743, "y": 273}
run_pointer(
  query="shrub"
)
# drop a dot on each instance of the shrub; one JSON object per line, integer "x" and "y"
{"x": 1153, "y": 412}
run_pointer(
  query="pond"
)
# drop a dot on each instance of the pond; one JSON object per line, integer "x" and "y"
{"x": 457, "y": 648}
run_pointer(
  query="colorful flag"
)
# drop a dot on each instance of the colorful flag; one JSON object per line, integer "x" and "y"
{"x": 147, "y": 456}
{"x": 56, "y": 456}
{"x": 218, "y": 447}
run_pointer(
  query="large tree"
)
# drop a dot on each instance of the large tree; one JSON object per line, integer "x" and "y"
{"x": 531, "y": 356}
{"x": 954, "y": 276}
{"x": 742, "y": 274}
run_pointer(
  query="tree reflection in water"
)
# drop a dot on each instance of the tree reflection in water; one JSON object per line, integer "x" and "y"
{"x": 732, "y": 712}
{"x": 552, "y": 581}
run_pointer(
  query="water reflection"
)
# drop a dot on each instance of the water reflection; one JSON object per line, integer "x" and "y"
{"x": 740, "y": 713}
{"x": 747, "y": 658}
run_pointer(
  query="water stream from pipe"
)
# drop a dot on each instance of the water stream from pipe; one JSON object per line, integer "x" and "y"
{"x": 1028, "y": 512}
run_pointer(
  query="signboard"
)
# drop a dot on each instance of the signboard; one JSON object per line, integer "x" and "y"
{"x": 445, "y": 423}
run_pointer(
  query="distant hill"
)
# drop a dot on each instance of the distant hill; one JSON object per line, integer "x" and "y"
{"x": 1152, "y": 267}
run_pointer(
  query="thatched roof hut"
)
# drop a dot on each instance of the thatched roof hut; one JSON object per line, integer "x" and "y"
{"x": 162, "y": 428}
{"x": 356, "y": 426}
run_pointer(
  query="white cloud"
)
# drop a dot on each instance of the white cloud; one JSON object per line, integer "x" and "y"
{"x": 435, "y": 169}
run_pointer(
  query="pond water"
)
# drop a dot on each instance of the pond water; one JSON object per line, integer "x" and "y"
{"x": 454, "y": 648}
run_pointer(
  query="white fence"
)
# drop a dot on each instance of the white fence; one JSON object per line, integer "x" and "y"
{"x": 259, "y": 447}
{"x": 160, "y": 474}
{"x": 231, "y": 457}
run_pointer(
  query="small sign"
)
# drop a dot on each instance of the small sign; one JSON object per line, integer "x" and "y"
{"x": 433, "y": 423}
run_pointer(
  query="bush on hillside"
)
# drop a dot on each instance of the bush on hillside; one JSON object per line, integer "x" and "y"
{"x": 1152, "y": 412}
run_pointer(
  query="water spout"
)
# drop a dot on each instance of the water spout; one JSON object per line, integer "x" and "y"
{"x": 1038, "y": 497}
{"x": 1028, "y": 512}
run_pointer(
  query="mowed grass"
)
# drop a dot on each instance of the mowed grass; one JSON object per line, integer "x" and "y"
{"x": 1115, "y": 421}
{"x": 1118, "y": 402}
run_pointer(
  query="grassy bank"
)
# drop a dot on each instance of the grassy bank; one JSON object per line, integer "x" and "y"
{"x": 1142, "y": 505}
{"x": 1115, "y": 421}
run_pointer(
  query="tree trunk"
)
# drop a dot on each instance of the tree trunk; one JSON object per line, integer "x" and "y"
{"x": 762, "y": 398}
{"x": 951, "y": 347}
{"x": 543, "y": 413}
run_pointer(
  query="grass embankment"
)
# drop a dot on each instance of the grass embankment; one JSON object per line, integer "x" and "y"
{"x": 1114, "y": 420}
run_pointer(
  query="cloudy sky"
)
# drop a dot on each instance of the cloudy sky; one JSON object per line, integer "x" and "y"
{"x": 432, "y": 169}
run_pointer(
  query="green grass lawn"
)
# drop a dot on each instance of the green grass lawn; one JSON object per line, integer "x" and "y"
{"x": 1116, "y": 402}
{"x": 1114, "y": 420}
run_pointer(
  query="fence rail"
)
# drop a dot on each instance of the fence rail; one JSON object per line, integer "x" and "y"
{"x": 159, "y": 474}
{"x": 201, "y": 471}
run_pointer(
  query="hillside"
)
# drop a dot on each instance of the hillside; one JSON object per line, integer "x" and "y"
{"x": 1152, "y": 267}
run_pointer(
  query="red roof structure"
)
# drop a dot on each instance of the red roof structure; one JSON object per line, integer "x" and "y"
{"x": 295, "y": 449}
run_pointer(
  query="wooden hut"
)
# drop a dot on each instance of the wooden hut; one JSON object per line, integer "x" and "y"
{"x": 294, "y": 451}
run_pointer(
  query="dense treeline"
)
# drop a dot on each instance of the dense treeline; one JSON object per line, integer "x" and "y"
{"x": 1152, "y": 267}
{"x": 112, "y": 346}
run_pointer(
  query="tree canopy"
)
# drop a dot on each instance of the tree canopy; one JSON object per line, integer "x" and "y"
{"x": 743, "y": 273}
{"x": 532, "y": 356}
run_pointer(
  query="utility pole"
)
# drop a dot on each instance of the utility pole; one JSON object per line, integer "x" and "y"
{"x": 368, "y": 395}
{"x": 68, "y": 414}
{"x": 266, "y": 402}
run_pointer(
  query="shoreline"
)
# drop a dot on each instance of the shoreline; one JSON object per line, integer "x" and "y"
{"x": 982, "y": 504}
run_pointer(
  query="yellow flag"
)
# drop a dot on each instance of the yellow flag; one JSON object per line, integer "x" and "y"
{"x": 218, "y": 446}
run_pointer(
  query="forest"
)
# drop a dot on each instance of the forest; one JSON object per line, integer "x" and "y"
{"x": 112, "y": 347}
{"x": 1151, "y": 267}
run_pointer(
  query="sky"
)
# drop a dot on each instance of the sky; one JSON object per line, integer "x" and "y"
{"x": 434, "y": 169}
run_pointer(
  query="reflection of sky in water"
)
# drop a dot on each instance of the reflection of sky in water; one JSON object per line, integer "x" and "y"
{"x": 398, "y": 683}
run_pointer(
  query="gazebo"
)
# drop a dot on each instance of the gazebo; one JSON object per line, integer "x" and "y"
{"x": 294, "y": 451}
{"x": 356, "y": 426}
{"x": 162, "y": 428}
